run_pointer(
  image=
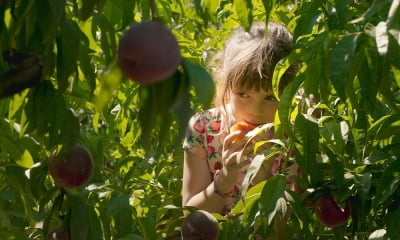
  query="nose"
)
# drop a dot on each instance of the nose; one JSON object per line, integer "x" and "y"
{"x": 258, "y": 112}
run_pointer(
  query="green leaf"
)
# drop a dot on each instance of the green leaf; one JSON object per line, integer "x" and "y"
{"x": 363, "y": 183}
{"x": 87, "y": 9}
{"x": 340, "y": 64}
{"x": 119, "y": 208}
{"x": 182, "y": 108}
{"x": 244, "y": 10}
{"x": 342, "y": 8}
{"x": 394, "y": 14}
{"x": 286, "y": 106}
{"x": 392, "y": 220}
{"x": 201, "y": 80}
{"x": 79, "y": 222}
{"x": 248, "y": 206}
{"x": 108, "y": 40}
{"x": 255, "y": 165}
{"x": 280, "y": 69}
{"x": 268, "y": 5}
{"x": 273, "y": 190}
{"x": 95, "y": 231}
{"x": 25, "y": 160}
{"x": 85, "y": 61}
{"x": 382, "y": 38}
{"x": 384, "y": 128}
{"x": 111, "y": 81}
{"x": 302, "y": 214}
{"x": 67, "y": 52}
{"x": 374, "y": 8}
{"x": 388, "y": 183}
{"x": 53, "y": 10}
{"x": 211, "y": 7}
{"x": 16, "y": 104}
{"x": 308, "y": 15}
{"x": 306, "y": 146}
{"x": 37, "y": 175}
{"x": 394, "y": 51}
{"x": 127, "y": 13}
{"x": 15, "y": 177}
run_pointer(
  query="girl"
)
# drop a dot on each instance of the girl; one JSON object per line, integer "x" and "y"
{"x": 211, "y": 175}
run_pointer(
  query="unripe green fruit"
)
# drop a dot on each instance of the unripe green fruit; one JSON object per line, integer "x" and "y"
{"x": 148, "y": 53}
{"x": 200, "y": 225}
{"x": 74, "y": 170}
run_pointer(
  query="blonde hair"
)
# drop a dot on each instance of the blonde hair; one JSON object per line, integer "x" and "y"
{"x": 249, "y": 58}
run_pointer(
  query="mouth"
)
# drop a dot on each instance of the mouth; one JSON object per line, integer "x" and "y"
{"x": 252, "y": 123}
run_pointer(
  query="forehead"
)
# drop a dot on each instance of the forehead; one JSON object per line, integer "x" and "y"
{"x": 253, "y": 83}
{"x": 251, "y": 90}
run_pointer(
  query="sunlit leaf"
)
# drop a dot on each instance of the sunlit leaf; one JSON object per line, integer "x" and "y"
{"x": 106, "y": 90}
{"x": 382, "y": 40}
{"x": 244, "y": 10}
{"x": 273, "y": 190}
{"x": 211, "y": 7}
{"x": 25, "y": 160}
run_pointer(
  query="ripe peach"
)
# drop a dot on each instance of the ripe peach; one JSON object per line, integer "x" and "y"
{"x": 329, "y": 213}
{"x": 74, "y": 170}
{"x": 200, "y": 225}
{"x": 148, "y": 53}
{"x": 243, "y": 127}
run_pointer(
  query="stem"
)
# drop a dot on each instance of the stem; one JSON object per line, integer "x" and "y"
{"x": 152, "y": 9}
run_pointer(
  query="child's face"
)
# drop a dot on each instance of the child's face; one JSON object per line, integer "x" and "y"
{"x": 254, "y": 107}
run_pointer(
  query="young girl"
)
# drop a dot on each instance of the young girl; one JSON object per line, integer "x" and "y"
{"x": 211, "y": 175}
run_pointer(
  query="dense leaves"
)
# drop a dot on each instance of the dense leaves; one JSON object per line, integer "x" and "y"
{"x": 339, "y": 119}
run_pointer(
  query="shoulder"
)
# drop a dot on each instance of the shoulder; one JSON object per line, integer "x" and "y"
{"x": 207, "y": 120}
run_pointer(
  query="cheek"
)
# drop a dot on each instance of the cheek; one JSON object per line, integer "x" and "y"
{"x": 236, "y": 110}
{"x": 269, "y": 114}
{"x": 273, "y": 107}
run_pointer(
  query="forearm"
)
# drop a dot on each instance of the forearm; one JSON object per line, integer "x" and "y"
{"x": 209, "y": 200}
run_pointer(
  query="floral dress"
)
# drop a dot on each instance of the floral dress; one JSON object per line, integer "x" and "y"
{"x": 205, "y": 136}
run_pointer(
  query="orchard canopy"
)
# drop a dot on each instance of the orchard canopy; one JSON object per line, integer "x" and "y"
{"x": 60, "y": 84}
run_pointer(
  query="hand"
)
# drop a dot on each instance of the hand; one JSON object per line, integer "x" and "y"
{"x": 232, "y": 162}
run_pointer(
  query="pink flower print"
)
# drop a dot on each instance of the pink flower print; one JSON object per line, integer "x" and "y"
{"x": 292, "y": 154}
{"x": 211, "y": 151}
{"x": 199, "y": 126}
{"x": 215, "y": 126}
{"x": 299, "y": 172}
{"x": 218, "y": 165}
{"x": 210, "y": 138}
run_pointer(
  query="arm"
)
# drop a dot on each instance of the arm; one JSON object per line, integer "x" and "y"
{"x": 198, "y": 185}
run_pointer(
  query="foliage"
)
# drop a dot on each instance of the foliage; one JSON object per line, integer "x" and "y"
{"x": 340, "y": 116}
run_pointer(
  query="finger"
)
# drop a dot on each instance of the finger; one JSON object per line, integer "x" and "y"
{"x": 229, "y": 141}
{"x": 244, "y": 163}
{"x": 237, "y": 160}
